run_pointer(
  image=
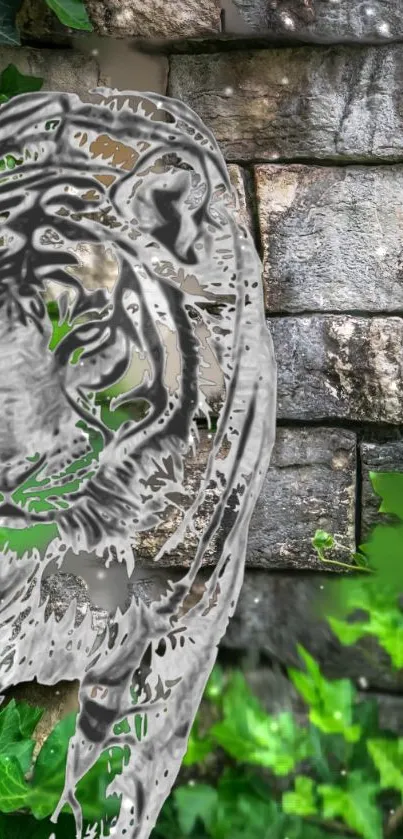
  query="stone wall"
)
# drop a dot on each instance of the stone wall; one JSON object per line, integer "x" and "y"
{"x": 306, "y": 103}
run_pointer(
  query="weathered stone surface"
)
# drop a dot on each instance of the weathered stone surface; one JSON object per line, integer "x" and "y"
{"x": 130, "y": 18}
{"x": 275, "y": 612}
{"x": 239, "y": 180}
{"x": 310, "y": 485}
{"x": 268, "y": 105}
{"x": 339, "y": 367}
{"x": 332, "y": 237}
{"x": 373, "y": 21}
{"x": 377, "y": 457}
{"x": 62, "y": 70}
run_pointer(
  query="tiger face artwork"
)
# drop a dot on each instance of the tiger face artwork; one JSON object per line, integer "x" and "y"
{"x": 95, "y": 426}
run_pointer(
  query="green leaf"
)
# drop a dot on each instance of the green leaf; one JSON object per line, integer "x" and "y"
{"x": 9, "y": 34}
{"x": 355, "y": 805}
{"x": 9, "y": 725}
{"x": 388, "y": 759}
{"x": 384, "y": 551}
{"x": 12, "y": 82}
{"x": 389, "y": 486}
{"x": 198, "y": 747}
{"x": 215, "y": 685}
{"x": 302, "y": 801}
{"x": 13, "y": 787}
{"x": 193, "y": 803}
{"x": 250, "y": 735}
{"x": 29, "y": 717}
{"x": 22, "y": 751}
{"x": 330, "y": 702}
{"x": 322, "y": 540}
{"x": 385, "y": 618}
{"x": 71, "y": 13}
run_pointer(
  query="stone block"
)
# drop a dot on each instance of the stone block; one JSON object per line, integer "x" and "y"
{"x": 374, "y": 21}
{"x": 332, "y": 237}
{"x": 299, "y": 103}
{"x": 339, "y": 367}
{"x": 145, "y": 19}
{"x": 310, "y": 485}
{"x": 62, "y": 70}
{"x": 275, "y": 612}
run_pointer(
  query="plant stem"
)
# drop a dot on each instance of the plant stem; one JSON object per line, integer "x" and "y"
{"x": 395, "y": 820}
{"x": 345, "y": 565}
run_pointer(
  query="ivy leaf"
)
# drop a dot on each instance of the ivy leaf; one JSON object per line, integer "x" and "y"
{"x": 12, "y": 83}
{"x": 193, "y": 803}
{"x": 388, "y": 759}
{"x": 198, "y": 747}
{"x": 22, "y": 751}
{"x": 71, "y": 13}
{"x": 29, "y": 717}
{"x": 250, "y": 735}
{"x": 323, "y": 540}
{"x": 330, "y": 702}
{"x": 384, "y": 551}
{"x": 9, "y": 34}
{"x": 385, "y": 618}
{"x": 9, "y": 726}
{"x": 355, "y": 805}
{"x": 302, "y": 801}
{"x": 13, "y": 787}
{"x": 92, "y": 788}
{"x": 389, "y": 486}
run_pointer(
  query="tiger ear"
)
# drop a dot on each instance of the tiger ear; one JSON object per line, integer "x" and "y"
{"x": 162, "y": 206}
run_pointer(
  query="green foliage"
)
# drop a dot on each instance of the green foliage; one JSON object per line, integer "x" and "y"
{"x": 71, "y": 13}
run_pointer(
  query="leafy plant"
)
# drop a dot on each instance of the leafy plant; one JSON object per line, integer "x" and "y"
{"x": 71, "y": 13}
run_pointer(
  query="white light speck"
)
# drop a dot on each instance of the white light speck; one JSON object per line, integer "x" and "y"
{"x": 392, "y": 812}
{"x": 228, "y": 91}
{"x": 101, "y": 575}
{"x": 256, "y": 600}
{"x": 209, "y": 436}
{"x": 381, "y": 251}
{"x": 321, "y": 587}
{"x": 94, "y": 52}
{"x": 160, "y": 105}
{"x": 363, "y": 682}
{"x": 384, "y": 29}
{"x": 369, "y": 12}
{"x": 288, "y": 22}
{"x": 343, "y": 772}
{"x": 191, "y": 783}
{"x": 337, "y": 715}
{"x": 274, "y": 155}
{"x": 285, "y": 80}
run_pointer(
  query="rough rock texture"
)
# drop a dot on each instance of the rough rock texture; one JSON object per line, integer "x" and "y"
{"x": 310, "y": 485}
{"x": 377, "y": 457}
{"x": 275, "y": 612}
{"x": 307, "y": 103}
{"x": 62, "y": 70}
{"x": 373, "y": 21}
{"x": 130, "y": 18}
{"x": 332, "y": 237}
{"x": 341, "y": 367}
